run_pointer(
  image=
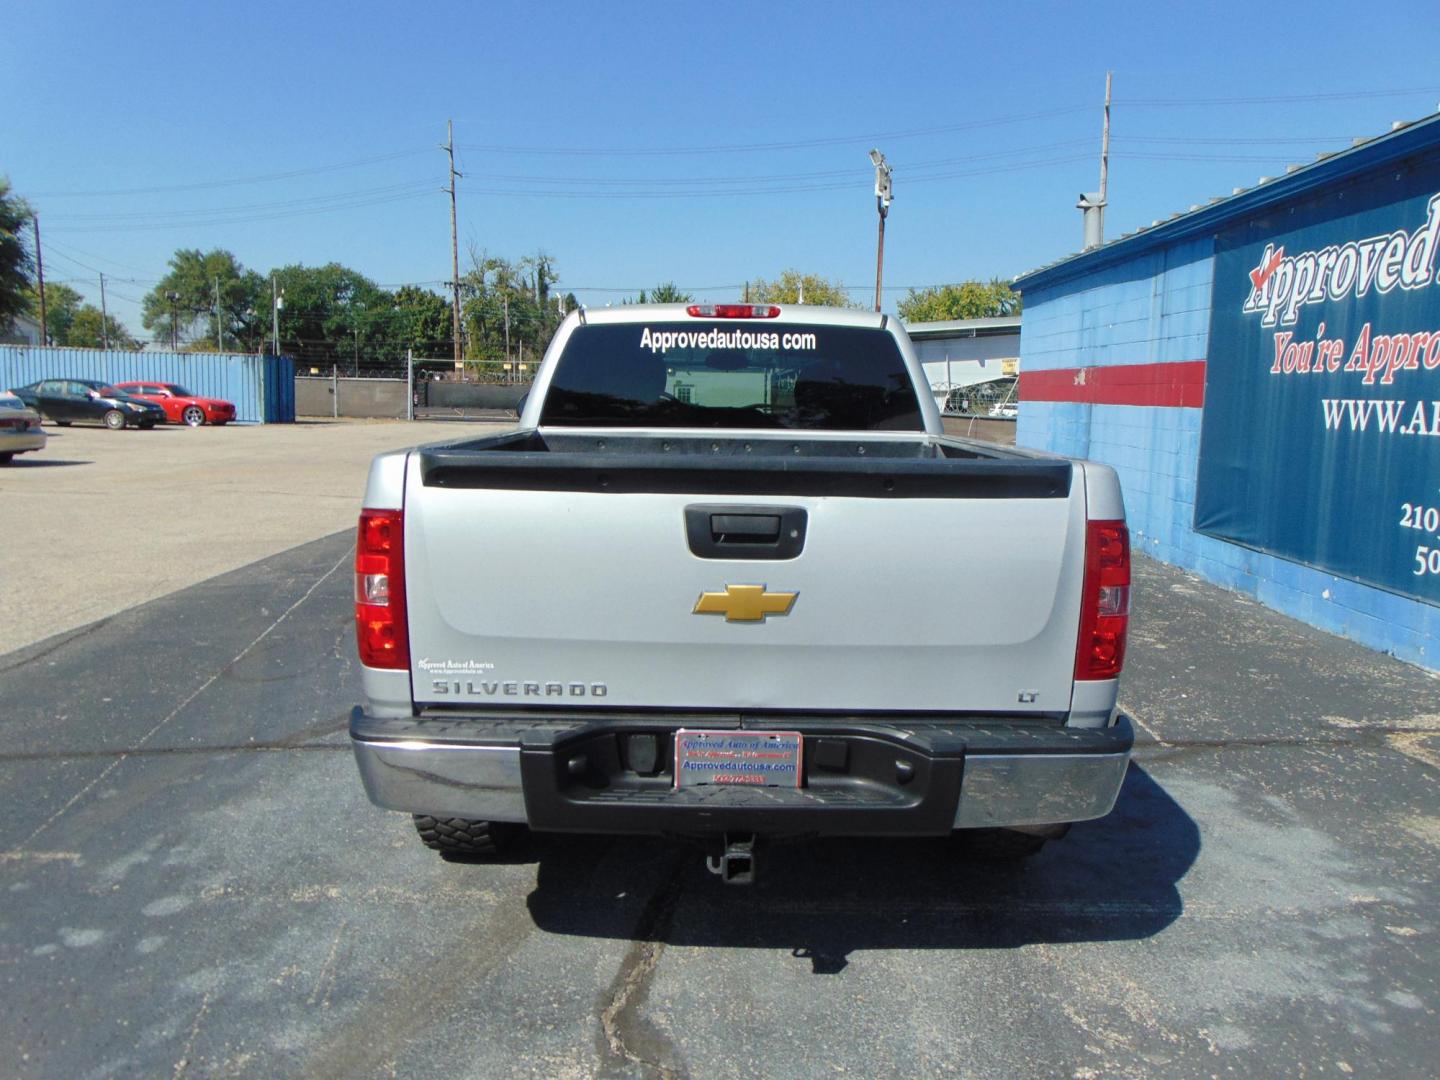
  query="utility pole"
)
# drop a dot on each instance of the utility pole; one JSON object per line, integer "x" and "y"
{"x": 40, "y": 274}
{"x": 174, "y": 298}
{"x": 219, "y": 329}
{"x": 883, "y": 196}
{"x": 104, "y": 315}
{"x": 1092, "y": 203}
{"x": 1105, "y": 155}
{"x": 507, "y": 329}
{"x": 449, "y": 148}
{"x": 276, "y": 303}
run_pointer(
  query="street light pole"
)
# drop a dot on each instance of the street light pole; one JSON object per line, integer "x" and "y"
{"x": 883, "y": 196}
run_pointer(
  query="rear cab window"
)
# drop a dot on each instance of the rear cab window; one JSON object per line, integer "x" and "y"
{"x": 702, "y": 373}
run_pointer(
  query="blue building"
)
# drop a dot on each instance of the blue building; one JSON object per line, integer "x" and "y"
{"x": 1264, "y": 373}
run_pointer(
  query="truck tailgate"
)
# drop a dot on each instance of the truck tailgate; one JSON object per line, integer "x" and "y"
{"x": 524, "y": 597}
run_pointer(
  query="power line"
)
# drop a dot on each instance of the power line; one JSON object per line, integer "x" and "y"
{"x": 281, "y": 204}
{"x": 1272, "y": 99}
{"x": 801, "y": 144}
{"x": 779, "y": 190}
{"x": 1230, "y": 140}
{"x": 1133, "y": 156}
{"x": 785, "y": 177}
{"x": 233, "y": 220}
{"x": 207, "y": 184}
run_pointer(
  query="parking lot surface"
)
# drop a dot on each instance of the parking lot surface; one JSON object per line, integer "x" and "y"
{"x": 195, "y": 885}
{"x": 109, "y": 519}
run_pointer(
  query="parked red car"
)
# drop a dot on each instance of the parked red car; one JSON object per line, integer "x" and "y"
{"x": 180, "y": 405}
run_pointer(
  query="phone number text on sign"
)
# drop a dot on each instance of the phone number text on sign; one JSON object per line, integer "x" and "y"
{"x": 1423, "y": 519}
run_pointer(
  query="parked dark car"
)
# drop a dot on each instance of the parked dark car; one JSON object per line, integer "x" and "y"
{"x": 68, "y": 400}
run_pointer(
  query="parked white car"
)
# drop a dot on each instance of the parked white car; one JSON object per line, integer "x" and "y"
{"x": 20, "y": 430}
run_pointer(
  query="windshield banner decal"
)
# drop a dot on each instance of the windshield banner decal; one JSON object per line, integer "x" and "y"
{"x": 661, "y": 341}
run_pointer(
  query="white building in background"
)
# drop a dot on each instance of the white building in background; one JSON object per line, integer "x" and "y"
{"x": 966, "y": 352}
{"x": 24, "y": 331}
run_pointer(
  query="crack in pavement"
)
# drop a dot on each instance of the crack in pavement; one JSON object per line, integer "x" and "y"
{"x": 626, "y": 1034}
{"x": 1375, "y": 738}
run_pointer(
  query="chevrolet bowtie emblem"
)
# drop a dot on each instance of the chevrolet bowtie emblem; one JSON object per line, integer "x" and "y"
{"x": 745, "y": 603}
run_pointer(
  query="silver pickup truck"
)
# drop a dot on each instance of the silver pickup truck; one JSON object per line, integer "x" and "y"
{"x": 729, "y": 581}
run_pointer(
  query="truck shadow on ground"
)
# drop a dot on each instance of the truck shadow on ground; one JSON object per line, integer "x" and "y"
{"x": 20, "y": 464}
{"x": 823, "y": 900}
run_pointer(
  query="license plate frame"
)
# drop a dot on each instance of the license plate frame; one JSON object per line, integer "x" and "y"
{"x": 739, "y": 758}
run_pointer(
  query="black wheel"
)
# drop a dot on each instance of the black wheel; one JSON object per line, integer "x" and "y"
{"x": 62, "y": 423}
{"x": 7, "y": 457}
{"x": 193, "y": 416}
{"x": 114, "y": 419}
{"x": 998, "y": 845}
{"x": 464, "y": 837}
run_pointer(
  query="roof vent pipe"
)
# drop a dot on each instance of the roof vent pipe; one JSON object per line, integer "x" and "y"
{"x": 1093, "y": 207}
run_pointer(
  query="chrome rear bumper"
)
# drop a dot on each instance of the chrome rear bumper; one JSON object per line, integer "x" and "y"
{"x": 995, "y": 785}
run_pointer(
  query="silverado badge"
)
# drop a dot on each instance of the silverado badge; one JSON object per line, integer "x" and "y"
{"x": 745, "y": 603}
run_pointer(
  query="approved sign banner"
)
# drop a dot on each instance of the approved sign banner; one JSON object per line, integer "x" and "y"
{"x": 1321, "y": 434}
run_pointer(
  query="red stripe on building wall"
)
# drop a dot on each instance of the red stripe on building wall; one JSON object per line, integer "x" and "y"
{"x": 1179, "y": 385}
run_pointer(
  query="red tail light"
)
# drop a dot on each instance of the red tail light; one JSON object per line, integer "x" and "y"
{"x": 380, "y": 627}
{"x": 1105, "y": 605}
{"x": 733, "y": 311}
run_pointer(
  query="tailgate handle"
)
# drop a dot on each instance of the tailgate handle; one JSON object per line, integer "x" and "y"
{"x": 744, "y": 528}
{"x": 745, "y": 532}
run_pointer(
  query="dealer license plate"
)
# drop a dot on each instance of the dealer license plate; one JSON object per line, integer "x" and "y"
{"x": 751, "y": 758}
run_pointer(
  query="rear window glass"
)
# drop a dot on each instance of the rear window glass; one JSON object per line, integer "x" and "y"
{"x": 720, "y": 374}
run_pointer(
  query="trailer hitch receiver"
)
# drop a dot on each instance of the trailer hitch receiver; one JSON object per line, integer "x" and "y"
{"x": 736, "y": 863}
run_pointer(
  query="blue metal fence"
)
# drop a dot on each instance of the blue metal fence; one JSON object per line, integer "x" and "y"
{"x": 262, "y": 387}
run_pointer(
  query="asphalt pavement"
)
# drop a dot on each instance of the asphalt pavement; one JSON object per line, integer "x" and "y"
{"x": 195, "y": 885}
{"x": 100, "y": 520}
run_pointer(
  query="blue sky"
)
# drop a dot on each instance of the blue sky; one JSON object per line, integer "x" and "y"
{"x": 591, "y": 131}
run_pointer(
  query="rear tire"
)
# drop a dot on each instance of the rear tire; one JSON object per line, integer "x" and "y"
{"x": 7, "y": 457}
{"x": 193, "y": 416}
{"x": 114, "y": 419}
{"x": 62, "y": 423}
{"x": 999, "y": 845}
{"x": 464, "y": 837}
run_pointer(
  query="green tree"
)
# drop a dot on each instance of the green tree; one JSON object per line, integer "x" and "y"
{"x": 15, "y": 264}
{"x": 667, "y": 293}
{"x": 333, "y": 314}
{"x": 61, "y": 304}
{"x": 967, "y": 300}
{"x": 791, "y": 285}
{"x": 507, "y": 312}
{"x": 421, "y": 322}
{"x": 87, "y": 330}
{"x": 184, "y": 303}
